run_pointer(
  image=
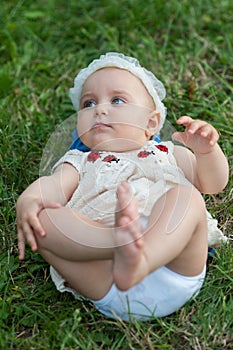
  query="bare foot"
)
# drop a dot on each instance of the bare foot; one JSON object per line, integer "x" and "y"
{"x": 130, "y": 263}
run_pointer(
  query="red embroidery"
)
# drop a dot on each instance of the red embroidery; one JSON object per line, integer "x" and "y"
{"x": 93, "y": 156}
{"x": 143, "y": 154}
{"x": 162, "y": 148}
{"x": 110, "y": 158}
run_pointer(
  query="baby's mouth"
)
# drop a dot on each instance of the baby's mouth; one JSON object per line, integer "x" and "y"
{"x": 100, "y": 126}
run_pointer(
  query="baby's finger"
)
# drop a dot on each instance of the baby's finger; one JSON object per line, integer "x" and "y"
{"x": 36, "y": 225}
{"x": 196, "y": 126}
{"x": 53, "y": 205}
{"x": 184, "y": 120}
{"x": 21, "y": 244}
{"x": 208, "y": 132}
{"x": 30, "y": 237}
{"x": 213, "y": 137}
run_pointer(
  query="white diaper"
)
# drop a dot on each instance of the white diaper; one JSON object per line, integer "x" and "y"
{"x": 160, "y": 294}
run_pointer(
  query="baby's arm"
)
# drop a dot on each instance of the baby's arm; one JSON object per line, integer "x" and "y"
{"x": 46, "y": 192}
{"x": 207, "y": 167}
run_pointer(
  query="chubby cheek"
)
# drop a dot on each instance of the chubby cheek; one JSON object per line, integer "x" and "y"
{"x": 83, "y": 127}
{"x": 133, "y": 133}
{"x": 85, "y": 137}
{"x": 133, "y": 120}
{"x": 137, "y": 127}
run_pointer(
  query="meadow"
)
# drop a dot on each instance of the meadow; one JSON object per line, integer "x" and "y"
{"x": 43, "y": 44}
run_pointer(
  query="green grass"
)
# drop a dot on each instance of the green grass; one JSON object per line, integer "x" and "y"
{"x": 43, "y": 44}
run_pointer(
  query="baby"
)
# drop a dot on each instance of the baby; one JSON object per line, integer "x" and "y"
{"x": 124, "y": 225}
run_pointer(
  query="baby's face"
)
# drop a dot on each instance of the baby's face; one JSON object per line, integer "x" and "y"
{"x": 116, "y": 111}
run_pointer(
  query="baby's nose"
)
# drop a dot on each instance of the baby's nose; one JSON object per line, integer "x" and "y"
{"x": 101, "y": 109}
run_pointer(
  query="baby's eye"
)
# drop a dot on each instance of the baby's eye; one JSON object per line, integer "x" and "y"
{"x": 89, "y": 104}
{"x": 118, "y": 101}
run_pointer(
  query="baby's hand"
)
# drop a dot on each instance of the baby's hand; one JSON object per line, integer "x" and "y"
{"x": 199, "y": 135}
{"x": 28, "y": 209}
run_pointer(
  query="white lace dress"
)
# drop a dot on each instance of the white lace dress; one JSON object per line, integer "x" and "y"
{"x": 150, "y": 171}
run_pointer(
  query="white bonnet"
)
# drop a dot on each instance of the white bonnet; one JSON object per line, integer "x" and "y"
{"x": 113, "y": 59}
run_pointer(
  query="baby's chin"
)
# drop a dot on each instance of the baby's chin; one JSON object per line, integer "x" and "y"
{"x": 118, "y": 145}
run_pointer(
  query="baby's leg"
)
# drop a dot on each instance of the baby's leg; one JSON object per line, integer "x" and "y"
{"x": 79, "y": 249}
{"x": 176, "y": 236}
{"x": 90, "y": 279}
{"x": 74, "y": 237}
{"x": 130, "y": 259}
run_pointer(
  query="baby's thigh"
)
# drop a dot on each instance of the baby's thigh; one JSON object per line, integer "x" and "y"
{"x": 180, "y": 207}
{"x": 90, "y": 280}
{"x": 71, "y": 237}
{"x": 177, "y": 231}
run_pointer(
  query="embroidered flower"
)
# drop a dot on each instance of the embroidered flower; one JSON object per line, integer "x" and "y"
{"x": 110, "y": 158}
{"x": 93, "y": 156}
{"x": 162, "y": 148}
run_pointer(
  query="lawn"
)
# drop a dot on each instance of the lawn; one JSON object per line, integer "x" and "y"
{"x": 43, "y": 44}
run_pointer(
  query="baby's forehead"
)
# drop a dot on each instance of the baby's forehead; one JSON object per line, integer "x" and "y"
{"x": 111, "y": 71}
{"x": 114, "y": 76}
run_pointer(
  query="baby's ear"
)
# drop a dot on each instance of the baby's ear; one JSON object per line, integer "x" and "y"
{"x": 153, "y": 123}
